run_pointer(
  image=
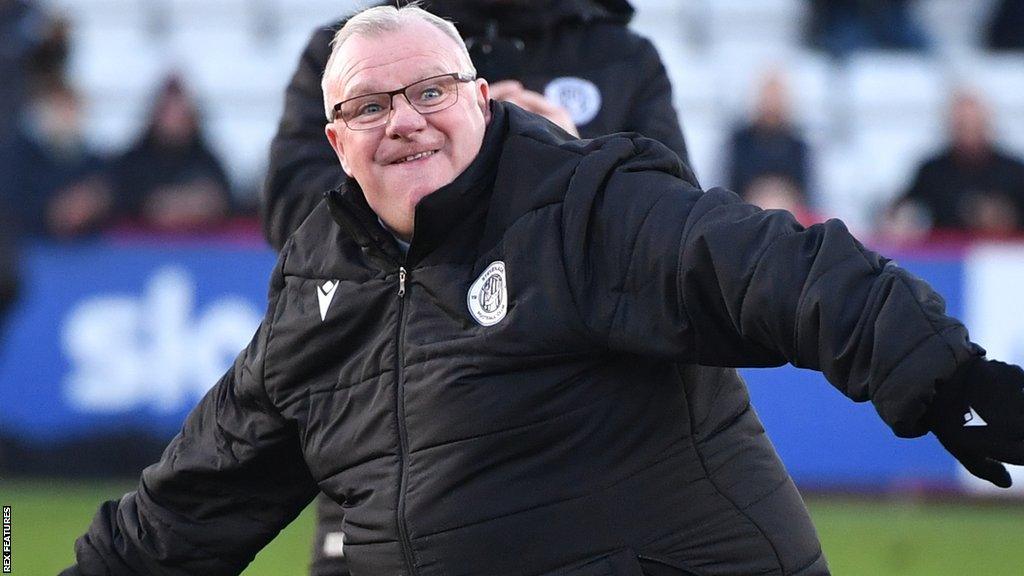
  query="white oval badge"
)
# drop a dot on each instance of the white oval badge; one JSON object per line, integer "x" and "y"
{"x": 580, "y": 97}
{"x": 488, "y": 296}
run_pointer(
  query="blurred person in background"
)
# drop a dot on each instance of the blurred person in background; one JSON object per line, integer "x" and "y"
{"x": 971, "y": 186}
{"x": 33, "y": 48}
{"x": 1006, "y": 28}
{"x": 574, "y": 62}
{"x": 52, "y": 181}
{"x": 768, "y": 158}
{"x": 841, "y": 27}
{"x": 170, "y": 180}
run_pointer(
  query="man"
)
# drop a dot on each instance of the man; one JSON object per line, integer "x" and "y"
{"x": 972, "y": 185}
{"x": 54, "y": 182}
{"x": 483, "y": 344}
{"x": 768, "y": 159}
{"x": 573, "y": 61}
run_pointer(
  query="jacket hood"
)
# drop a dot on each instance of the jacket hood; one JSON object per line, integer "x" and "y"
{"x": 527, "y": 18}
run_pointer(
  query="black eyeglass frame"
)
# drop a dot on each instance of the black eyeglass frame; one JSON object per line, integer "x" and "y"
{"x": 461, "y": 77}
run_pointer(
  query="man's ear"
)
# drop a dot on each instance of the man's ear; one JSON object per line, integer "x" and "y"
{"x": 335, "y": 139}
{"x": 483, "y": 98}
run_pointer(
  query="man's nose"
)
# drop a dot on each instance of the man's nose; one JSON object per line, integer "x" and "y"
{"x": 404, "y": 118}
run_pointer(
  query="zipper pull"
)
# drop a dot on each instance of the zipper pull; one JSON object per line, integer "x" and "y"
{"x": 401, "y": 282}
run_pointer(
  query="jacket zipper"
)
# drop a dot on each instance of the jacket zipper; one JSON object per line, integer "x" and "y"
{"x": 403, "y": 439}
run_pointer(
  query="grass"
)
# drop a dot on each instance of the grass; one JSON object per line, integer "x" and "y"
{"x": 48, "y": 515}
{"x": 869, "y": 537}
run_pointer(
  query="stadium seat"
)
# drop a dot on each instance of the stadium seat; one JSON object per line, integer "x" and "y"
{"x": 892, "y": 89}
{"x": 304, "y": 15}
{"x": 221, "y": 14}
{"x": 887, "y": 159}
{"x": 667, "y": 22}
{"x": 243, "y": 142}
{"x": 953, "y": 24}
{"x": 762, "y": 24}
{"x": 114, "y": 60}
{"x": 103, "y": 13}
{"x": 835, "y": 184}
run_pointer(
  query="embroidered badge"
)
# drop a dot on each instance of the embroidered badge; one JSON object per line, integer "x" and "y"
{"x": 488, "y": 296}
{"x": 580, "y": 97}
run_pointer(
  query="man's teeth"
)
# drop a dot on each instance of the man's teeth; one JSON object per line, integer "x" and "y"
{"x": 416, "y": 156}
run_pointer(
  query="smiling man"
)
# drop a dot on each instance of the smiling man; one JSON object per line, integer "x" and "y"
{"x": 403, "y": 144}
{"x": 508, "y": 351}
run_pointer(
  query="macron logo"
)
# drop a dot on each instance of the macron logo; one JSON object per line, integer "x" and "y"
{"x": 325, "y": 293}
{"x": 972, "y": 418}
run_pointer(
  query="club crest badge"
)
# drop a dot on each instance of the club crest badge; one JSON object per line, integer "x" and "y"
{"x": 580, "y": 97}
{"x": 488, "y": 296}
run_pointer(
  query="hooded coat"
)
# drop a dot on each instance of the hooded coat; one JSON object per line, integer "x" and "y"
{"x": 522, "y": 393}
{"x": 579, "y": 52}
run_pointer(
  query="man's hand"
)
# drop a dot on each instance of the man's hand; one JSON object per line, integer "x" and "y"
{"x": 978, "y": 416}
{"x": 514, "y": 92}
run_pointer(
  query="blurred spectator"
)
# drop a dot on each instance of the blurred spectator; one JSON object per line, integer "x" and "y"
{"x": 33, "y": 49}
{"x": 970, "y": 186}
{"x": 170, "y": 180}
{"x": 841, "y": 27}
{"x": 52, "y": 183}
{"x": 573, "y": 61}
{"x": 769, "y": 160}
{"x": 1006, "y": 28}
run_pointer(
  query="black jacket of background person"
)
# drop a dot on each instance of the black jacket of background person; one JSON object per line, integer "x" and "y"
{"x": 570, "y": 436}
{"x": 569, "y": 38}
{"x": 948, "y": 186}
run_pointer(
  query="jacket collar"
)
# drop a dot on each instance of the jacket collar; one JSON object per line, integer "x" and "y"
{"x": 435, "y": 215}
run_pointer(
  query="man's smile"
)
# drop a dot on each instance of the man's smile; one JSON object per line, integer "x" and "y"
{"x": 414, "y": 157}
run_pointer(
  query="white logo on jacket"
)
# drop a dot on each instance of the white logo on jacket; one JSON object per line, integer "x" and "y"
{"x": 488, "y": 296}
{"x": 324, "y": 294}
{"x": 580, "y": 97}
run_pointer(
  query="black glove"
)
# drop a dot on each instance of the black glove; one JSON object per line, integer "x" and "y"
{"x": 978, "y": 416}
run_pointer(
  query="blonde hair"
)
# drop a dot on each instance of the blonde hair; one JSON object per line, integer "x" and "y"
{"x": 378, "y": 20}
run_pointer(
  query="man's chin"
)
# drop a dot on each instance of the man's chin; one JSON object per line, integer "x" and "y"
{"x": 415, "y": 196}
{"x": 423, "y": 189}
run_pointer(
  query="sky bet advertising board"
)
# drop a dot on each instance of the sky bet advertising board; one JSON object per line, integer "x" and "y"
{"x": 114, "y": 338}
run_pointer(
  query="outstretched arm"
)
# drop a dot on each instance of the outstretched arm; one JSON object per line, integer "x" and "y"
{"x": 225, "y": 486}
{"x": 703, "y": 278}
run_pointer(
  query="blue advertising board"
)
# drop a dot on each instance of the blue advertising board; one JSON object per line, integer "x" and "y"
{"x": 111, "y": 337}
{"x": 129, "y": 337}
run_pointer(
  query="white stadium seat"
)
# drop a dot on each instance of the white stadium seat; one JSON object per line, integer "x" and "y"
{"x": 869, "y": 119}
{"x": 760, "y": 24}
{"x": 953, "y": 24}
{"x": 893, "y": 90}
{"x": 304, "y": 15}
{"x": 103, "y": 13}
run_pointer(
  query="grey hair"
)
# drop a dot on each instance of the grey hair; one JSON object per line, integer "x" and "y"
{"x": 378, "y": 20}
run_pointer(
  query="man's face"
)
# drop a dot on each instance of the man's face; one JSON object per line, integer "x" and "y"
{"x": 448, "y": 140}
{"x": 969, "y": 124}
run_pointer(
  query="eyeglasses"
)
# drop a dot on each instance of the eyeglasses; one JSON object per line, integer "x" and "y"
{"x": 426, "y": 96}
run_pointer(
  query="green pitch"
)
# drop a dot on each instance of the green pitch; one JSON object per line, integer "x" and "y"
{"x": 877, "y": 538}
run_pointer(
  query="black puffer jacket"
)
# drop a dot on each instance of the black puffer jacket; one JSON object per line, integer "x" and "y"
{"x": 574, "y": 434}
{"x": 585, "y": 39}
